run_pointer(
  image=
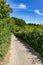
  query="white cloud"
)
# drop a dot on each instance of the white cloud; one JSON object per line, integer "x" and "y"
{"x": 19, "y": 6}
{"x": 38, "y": 12}
{"x": 23, "y": 6}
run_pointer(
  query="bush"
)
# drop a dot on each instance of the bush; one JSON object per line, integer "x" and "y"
{"x": 34, "y": 39}
{"x": 5, "y": 36}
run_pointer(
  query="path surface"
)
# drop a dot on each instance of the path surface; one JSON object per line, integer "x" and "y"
{"x": 20, "y": 55}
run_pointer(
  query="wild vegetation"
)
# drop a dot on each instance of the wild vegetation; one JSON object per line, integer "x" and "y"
{"x": 31, "y": 33}
{"x": 5, "y": 33}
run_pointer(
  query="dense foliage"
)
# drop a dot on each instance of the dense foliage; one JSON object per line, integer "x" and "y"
{"x": 5, "y": 36}
{"x": 34, "y": 39}
{"x": 4, "y": 9}
{"x": 5, "y": 33}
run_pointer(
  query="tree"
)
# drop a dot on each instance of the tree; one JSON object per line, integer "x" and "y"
{"x": 4, "y": 9}
{"x": 18, "y": 22}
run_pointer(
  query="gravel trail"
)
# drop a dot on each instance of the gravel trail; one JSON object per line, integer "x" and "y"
{"x": 20, "y": 54}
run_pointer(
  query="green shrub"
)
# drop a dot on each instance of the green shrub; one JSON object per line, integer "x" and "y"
{"x": 34, "y": 39}
{"x": 5, "y": 37}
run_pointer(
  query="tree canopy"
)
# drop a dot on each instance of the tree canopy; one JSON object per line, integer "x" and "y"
{"x": 4, "y": 9}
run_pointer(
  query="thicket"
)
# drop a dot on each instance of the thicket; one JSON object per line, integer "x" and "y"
{"x": 5, "y": 36}
{"x": 5, "y": 33}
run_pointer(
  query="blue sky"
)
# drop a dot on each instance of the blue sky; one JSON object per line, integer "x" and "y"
{"x": 29, "y": 10}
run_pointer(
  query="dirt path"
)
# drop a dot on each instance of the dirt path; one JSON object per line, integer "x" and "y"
{"x": 20, "y": 55}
